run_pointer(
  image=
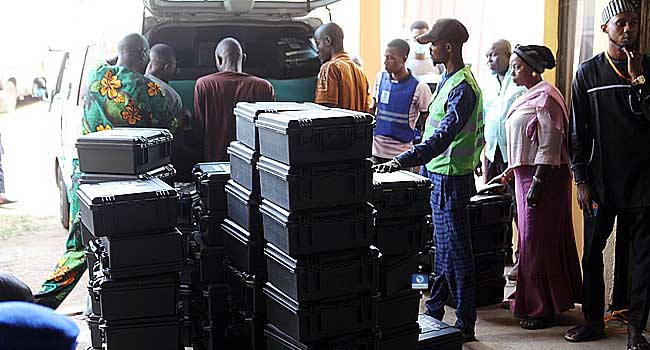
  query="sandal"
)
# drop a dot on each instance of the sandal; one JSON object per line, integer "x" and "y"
{"x": 585, "y": 332}
{"x": 535, "y": 323}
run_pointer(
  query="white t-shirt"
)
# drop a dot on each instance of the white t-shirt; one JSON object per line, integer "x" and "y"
{"x": 387, "y": 147}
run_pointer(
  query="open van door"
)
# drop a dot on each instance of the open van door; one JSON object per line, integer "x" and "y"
{"x": 244, "y": 8}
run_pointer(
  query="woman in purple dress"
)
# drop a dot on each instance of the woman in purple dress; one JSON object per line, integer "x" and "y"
{"x": 549, "y": 280}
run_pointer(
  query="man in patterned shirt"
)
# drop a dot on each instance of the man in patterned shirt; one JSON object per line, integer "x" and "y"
{"x": 116, "y": 96}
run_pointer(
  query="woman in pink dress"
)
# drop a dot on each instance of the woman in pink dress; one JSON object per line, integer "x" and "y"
{"x": 549, "y": 280}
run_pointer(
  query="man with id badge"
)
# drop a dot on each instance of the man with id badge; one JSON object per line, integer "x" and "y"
{"x": 400, "y": 101}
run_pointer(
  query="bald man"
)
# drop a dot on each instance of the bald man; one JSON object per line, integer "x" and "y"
{"x": 161, "y": 69}
{"x": 216, "y": 95}
{"x": 499, "y": 92}
{"x": 116, "y": 96}
{"x": 341, "y": 82}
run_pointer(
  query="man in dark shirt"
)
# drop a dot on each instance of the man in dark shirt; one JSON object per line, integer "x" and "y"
{"x": 216, "y": 95}
{"x": 610, "y": 143}
{"x": 451, "y": 148}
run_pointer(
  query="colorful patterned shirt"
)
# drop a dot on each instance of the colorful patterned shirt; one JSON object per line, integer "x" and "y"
{"x": 117, "y": 96}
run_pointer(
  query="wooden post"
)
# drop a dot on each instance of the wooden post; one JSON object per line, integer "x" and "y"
{"x": 644, "y": 38}
{"x": 369, "y": 18}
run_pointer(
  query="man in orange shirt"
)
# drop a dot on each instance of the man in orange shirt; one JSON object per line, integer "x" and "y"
{"x": 341, "y": 83}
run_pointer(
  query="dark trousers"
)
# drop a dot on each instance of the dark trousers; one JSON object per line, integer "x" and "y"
{"x": 454, "y": 262}
{"x": 597, "y": 229}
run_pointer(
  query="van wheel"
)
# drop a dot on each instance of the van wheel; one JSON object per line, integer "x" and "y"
{"x": 64, "y": 204}
{"x": 8, "y": 97}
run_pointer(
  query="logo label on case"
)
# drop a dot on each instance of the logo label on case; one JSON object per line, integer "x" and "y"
{"x": 419, "y": 281}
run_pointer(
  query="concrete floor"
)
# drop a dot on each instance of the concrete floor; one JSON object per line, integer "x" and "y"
{"x": 497, "y": 329}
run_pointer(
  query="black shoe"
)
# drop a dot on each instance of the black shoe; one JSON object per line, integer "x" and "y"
{"x": 468, "y": 336}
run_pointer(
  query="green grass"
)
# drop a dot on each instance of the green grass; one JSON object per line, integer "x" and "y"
{"x": 12, "y": 225}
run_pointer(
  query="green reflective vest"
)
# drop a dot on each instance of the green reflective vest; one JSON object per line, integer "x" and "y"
{"x": 463, "y": 155}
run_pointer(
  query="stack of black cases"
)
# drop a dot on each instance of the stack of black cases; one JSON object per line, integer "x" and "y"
{"x": 490, "y": 218}
{"x": 490, "y": 221}
{"x": 243, "y": 230}
{"x": 315, "y": 184}
{"x": 402, "y": 227}
{"x": 134, "y": 252}
{"x": 205, "y": 294}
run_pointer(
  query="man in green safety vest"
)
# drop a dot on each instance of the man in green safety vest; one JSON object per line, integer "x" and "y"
{"x": 450, "y": 148}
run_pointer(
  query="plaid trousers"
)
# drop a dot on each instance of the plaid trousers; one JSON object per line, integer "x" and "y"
{"x": 454, "y": 261}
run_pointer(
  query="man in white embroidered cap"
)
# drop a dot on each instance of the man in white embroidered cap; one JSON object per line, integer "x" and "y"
{"x": 609, "y": 143}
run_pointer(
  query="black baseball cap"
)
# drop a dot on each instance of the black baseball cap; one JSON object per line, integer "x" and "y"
{"x": 447, "y": 29}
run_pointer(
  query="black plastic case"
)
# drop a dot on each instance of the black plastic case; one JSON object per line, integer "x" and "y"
{"x": 399, "y": 309}
{"x": 142, "y": 297}
{"x": 210, "y": 337}
{"x": 365, "y": 340}
{"x": 395, "y": 274}
{"x": 188, "y": 200}
{"x": 307, "y": 322}
{"x": 244, "y": 209}
{"x": 208, "y": 263}
{"x": 239, "y": 336}
{"x": 489, "y": 265}
{"x": 143, "y": 255}
{"x": 400, "y": 194}
{"x": 318, "y": 231}
{"x": 93, "y": 264}
{"x": 490, "y": 237}
{"x": 214, "y": 303}
{"x": 165, "y": 173}
{"x": 86, "y": 235}
{"x": 243, "y": 167}
{"x": 241, "y": 251}
{"x": 318, "y": 186}
{"x": 95, "y": 304}
{"x": 400, "y": 338}
{"x": 402, "y": 235}
{"x": 210, "y": 228}
{"x": 96, "y": 334}
{"x": 127, "y": 207}
{"x": 129, "y": 151}
{"x": 437, "y": 335}
{"x": 246, "y": 114}
{"x": 489, "y": 209}
{"x": 315, "y": 136}
{"x": 210, "y": 181}
{"x": 246, "y": 293}
{"x": 323, "y": 276}
{"x": 490, "y": 292}
{"x": 153, "y": 333}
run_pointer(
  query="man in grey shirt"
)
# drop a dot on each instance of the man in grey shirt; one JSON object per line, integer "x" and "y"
{"x": 161, "y": 69}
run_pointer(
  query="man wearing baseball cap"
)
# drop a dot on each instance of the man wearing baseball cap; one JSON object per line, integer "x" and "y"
{"x": 609, "y": 143}
{"x": 450, "y": 149}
